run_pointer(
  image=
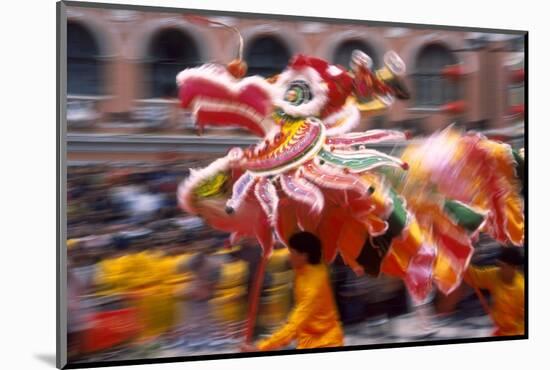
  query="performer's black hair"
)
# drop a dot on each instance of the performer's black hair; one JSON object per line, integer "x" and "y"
{"x": 306, "y": 242}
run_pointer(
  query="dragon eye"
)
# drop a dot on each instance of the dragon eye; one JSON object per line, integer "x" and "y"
{"x": 298, "y": 93}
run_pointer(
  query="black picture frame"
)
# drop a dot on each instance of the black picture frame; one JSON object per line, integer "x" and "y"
{"x": 61, "y": 173}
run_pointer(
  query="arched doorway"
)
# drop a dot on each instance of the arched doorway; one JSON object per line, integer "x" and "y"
{"x": 170, "y": 51}
{"x": 266, "y": 56}
{"x": 342, "y": 54}
{"x": 432, "y": 88}
{"x": 84, "y": 70}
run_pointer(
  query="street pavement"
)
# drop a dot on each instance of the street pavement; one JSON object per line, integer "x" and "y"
{"x": 412, "y": 327}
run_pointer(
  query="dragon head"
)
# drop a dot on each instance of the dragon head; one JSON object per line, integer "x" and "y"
{"x": 308, "y": 87}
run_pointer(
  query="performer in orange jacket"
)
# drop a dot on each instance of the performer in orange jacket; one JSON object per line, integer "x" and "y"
{"x": 506, "y": 285}
{"x": 314, "y": 321}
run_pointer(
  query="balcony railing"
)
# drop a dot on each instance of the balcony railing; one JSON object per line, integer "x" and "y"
{"x": 82, "y": 111}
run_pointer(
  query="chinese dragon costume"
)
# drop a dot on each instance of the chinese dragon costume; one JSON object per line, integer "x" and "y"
{"x": 414, "y": 217}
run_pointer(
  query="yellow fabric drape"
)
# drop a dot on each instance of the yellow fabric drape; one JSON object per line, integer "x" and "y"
{"x": 507, "y": 310}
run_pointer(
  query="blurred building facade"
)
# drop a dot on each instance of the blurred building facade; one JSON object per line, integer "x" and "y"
{"x": 122, "y": 66}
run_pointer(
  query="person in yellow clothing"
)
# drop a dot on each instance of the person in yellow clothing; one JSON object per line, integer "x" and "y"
{"x": 276, "y": 301}
{"x": 505, "y": 283}
{"x": 138, "y": 273}
{"x": 112, "y": 274}
{"x": 314, "y": 321}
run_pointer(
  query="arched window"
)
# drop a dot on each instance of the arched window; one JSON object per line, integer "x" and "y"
{"x": 342, "y": 54}
{"x": 266, "y": 56}
{"x": 83, "y": 65}
{"x": 432, "y": 89}
{"x": 170, "y": 51}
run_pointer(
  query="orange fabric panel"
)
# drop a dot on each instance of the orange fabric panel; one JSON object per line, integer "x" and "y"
{"x": 351, "y": 239}
{"x": 329, "y": 230}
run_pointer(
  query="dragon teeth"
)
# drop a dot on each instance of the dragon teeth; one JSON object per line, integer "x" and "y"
{"x": 222, "y": 105}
